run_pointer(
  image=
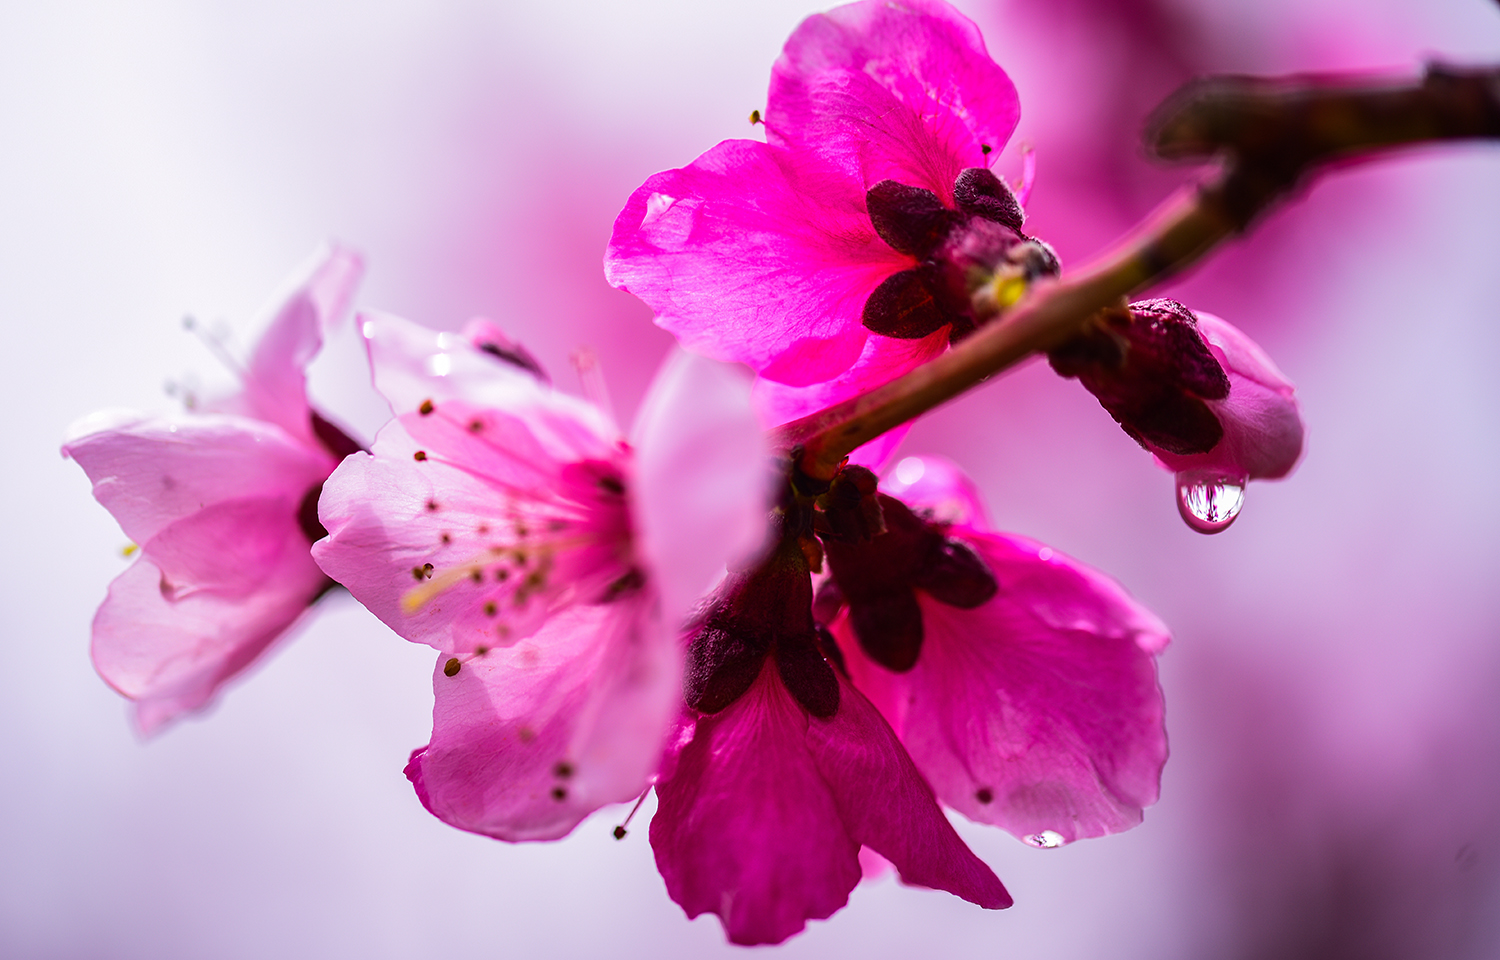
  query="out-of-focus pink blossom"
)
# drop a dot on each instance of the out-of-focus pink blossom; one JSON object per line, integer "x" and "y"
{"x": 832, "y": 257}
{"x": 514, "y": 529}
{"x": 223, "y": 506}
{"x": 766, "y": 806}
{"x": 1037, "y": 710}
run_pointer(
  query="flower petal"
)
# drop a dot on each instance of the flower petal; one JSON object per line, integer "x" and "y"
{"x": 151, "y": 472}
{"x": 275, "y": 381}
{"x": 887, "y": 806}
{"x": 171, "y": 652}
{"x": 701, "y": 464}
{"x": 1038, "y": 711}
{"x": 745, "y": 260}
{"x": 411, "y": 364}
{"x": 903, "y": 91}
{"x": 746, "y": 826}
{"x": 936, "y": 488}
{"x": 528, "y": 740}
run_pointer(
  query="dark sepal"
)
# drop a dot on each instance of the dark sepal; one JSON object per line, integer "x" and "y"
{"x": 723, "y": 660}
{"x": 807, "y": 676}
{"x": 906, "y": 305}
{"x": 978, "y": 192}
{"x": 954, "y": 574}
{"x": 1151, "y": 370}
{"x": 889, "y": 628}
{"x": 851, "y": 509}
{"x": 334, "y": 440}
{"x": 912, "y": 220}
{"x": 307, "y": 516}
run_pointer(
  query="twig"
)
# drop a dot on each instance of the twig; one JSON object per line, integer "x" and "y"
{"x": 1270, "y": 135}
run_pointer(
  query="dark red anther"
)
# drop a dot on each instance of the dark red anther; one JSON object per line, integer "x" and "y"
{"x": 906, "y": 305}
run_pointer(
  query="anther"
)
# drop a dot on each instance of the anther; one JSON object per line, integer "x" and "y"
{"x": 754, "y": 119}
{"x": 476, "y": 425}
{"x": 424, "y": 572}
{"x": 563, "y": 770}
{"x": 419, "y": 456}
{"x": 490, "y": 609}
{"x": 559, "y": 794}
{"x": 476, "y": 575}
{"x": 451, "y": 668}
{"x": 984, "y": 795}
{"x": 432, "y": 506}
{"x": 426, "y": 408}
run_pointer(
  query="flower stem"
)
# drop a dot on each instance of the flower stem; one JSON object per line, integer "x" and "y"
{"x": 1269, "y": 134}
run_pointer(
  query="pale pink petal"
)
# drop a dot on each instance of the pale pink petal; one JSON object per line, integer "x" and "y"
{"x": 937, "y": 489}
{"x": 412, "y": 364}
{"x": 530, "y": 739}
{"x": 230, "y": 547}
{"x": 1038, "y": 711}
{"x": 902, "y": 91}
{"x": 702, "y": 464}
{"x": 275, "y": 382}
{"x": 762, "y": 818}
{"x": 746, "y": 826}
{"x": 1263, "y": 432}
{"x": 150, "y": 472}
{"x": 744, "y": 260}
{"x": 484, "y": 537}
{"x": 883, "y": 359}
{"x": 171, "y": 655}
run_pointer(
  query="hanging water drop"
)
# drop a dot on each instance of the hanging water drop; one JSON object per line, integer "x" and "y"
{"x": 1209, "y": 501}
{"x": 1047, "y": 839}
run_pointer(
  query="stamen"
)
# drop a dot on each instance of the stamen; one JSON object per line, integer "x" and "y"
{"x": 426, "y": 407}
{"x": 451, "y": 668}
{"x": 214, "y": 341}
{"x": 419, "y": 456}
{"x": 591, "y": 377}
{"x": 620, "y": 830}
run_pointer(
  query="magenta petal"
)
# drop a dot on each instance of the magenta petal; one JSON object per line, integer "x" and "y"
{"x": 762, "y": 818}
{"x": 530, "y": 739}
{"x": 742, "y": 263}
{"x": 148, "y": 473}
{"x": 747, "y": 828}
{"x": 170, "y": 652}
{"x": 938, "y": 489}
{"x": 1038, "y": 711}
{"x": 902, "y": 91}
{"x": 887, "y": 806}
{"x": 275, "y": 383}
{"x": 1263, "y": 432}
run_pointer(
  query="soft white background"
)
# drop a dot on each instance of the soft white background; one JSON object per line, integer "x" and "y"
{"x": 1335, "y": 784}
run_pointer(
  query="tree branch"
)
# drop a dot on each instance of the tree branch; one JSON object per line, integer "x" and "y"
{"x": 1271, "y": 135}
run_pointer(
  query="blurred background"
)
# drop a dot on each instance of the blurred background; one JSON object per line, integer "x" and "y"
{"x": 1334, "y": 789}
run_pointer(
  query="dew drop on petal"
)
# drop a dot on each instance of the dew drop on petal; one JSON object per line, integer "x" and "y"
{"x": 1047, "y": 839}
{"x": 656, "y": 205}
{"x": 1209, "y": 502}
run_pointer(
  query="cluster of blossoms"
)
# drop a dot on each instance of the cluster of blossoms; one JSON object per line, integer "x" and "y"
{"x": 808, "y": 686}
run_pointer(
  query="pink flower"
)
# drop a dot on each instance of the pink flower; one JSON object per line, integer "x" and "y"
{"x": 512, "y": 527}
{"x": 1198, "y": 394}
{"x": 1027, "y": 698}
{"x": 223, "y": 505}
{"x": 845, "y": 249}
{"x": 783, "y": 770}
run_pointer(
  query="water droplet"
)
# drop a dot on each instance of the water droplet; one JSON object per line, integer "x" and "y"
{"x": 1209, "y": 502}
{"x": 1047, "y": 839}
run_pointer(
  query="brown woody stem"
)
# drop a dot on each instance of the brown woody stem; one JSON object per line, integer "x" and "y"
{"x": 1269, "y": 134}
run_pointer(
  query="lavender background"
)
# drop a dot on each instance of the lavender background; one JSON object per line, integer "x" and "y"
{"x": 1334, "y": 789}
